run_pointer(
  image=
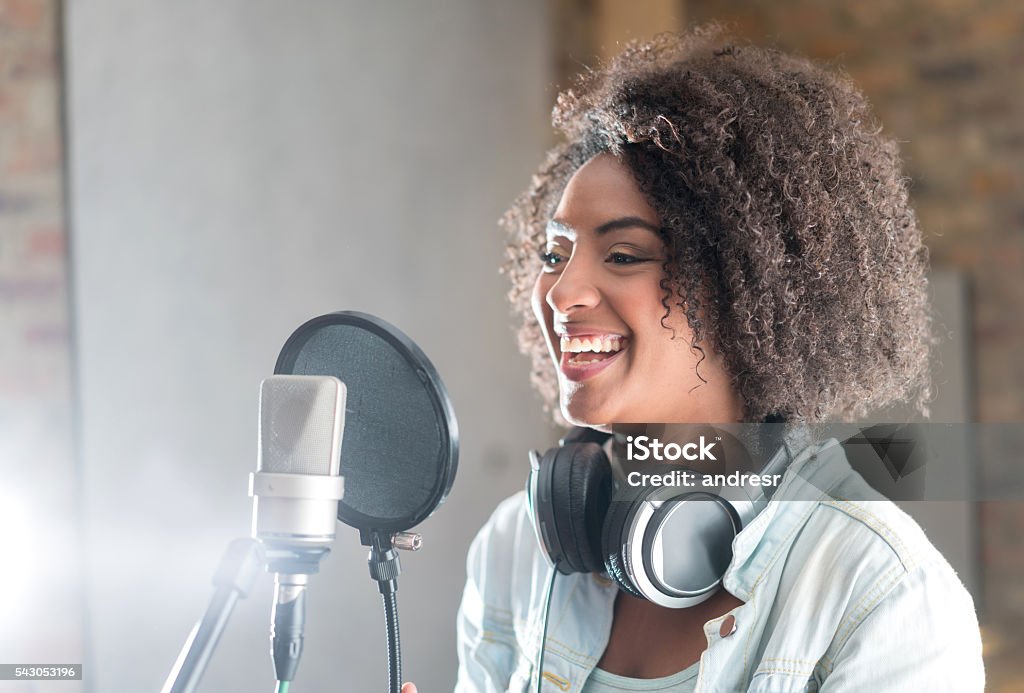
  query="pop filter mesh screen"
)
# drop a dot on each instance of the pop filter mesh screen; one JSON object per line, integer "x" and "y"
{"x": 393, "y": 444}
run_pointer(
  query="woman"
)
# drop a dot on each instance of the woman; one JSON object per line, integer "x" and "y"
{"x": 724, "y": 237}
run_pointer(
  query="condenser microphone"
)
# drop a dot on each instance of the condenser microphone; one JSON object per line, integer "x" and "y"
{"x": 295, "y": 490}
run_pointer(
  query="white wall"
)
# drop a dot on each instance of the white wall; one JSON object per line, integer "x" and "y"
{"x": 236, "y": 168}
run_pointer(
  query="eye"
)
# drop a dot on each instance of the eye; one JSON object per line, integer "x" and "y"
{"x": 549, "y": 258}
{"x": 624, "y": 259}
{"x": 553, "y": 256}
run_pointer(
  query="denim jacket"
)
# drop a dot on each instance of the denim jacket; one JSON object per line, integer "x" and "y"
{"x": 842, "y": 591}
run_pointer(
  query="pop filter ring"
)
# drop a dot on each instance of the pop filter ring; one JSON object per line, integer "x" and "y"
{"x": 436, "y": 391}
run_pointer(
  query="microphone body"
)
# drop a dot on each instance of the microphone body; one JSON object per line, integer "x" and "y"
{"x": 295, "y": 490}
{"x": 297, "y": 483}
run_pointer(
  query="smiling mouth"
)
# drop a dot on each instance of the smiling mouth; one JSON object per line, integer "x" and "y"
{"x": 590, "y": 349}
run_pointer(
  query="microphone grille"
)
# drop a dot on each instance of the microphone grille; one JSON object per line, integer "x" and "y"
{"x": 301, "y": 422}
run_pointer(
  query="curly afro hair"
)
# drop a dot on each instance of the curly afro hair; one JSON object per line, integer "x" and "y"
{"x": 791, "y": 245}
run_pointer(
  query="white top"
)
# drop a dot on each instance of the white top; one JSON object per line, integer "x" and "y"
{"x": 601, "y": 681}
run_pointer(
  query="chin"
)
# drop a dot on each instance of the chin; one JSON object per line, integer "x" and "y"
{"x": 580, "y": 413}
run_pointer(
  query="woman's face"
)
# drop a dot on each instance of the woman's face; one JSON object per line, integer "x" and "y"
{"x": 598, "y": 300}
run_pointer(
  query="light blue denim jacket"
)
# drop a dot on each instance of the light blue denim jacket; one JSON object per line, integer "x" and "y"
{"x": 842, "y": 591}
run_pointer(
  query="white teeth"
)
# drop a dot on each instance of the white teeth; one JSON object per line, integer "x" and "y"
{"x": 606, "y": 343}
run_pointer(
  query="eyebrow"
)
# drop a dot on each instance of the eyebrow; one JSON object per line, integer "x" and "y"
{"x": 609, "y": 226}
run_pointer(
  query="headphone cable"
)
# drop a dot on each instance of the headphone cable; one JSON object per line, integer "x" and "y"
{"x": 544, "y": 627}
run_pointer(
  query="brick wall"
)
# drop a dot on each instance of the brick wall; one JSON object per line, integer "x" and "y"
{"x": 38, "y": 485}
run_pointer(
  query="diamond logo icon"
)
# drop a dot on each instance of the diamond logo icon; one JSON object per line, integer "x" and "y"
{"x": 895, "y": 446}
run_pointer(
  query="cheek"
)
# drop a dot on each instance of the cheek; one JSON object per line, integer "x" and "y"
{"x": 662, "y": 310}
{"x": 640, "y": 302}
{"x": 662, "y": 334}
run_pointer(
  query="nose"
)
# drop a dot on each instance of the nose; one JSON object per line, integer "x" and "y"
{"x": 575, "y": 289}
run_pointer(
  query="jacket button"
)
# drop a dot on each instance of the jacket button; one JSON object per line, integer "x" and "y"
{"x": 728, "y": 626}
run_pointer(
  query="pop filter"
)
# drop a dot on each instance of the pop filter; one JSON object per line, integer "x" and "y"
{"x": 401, "y": 443}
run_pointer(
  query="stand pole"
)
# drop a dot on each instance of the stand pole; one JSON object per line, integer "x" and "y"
{"x": 234, "y": 578}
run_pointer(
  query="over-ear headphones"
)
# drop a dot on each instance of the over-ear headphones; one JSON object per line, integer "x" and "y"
{"x": 669, "y": 544}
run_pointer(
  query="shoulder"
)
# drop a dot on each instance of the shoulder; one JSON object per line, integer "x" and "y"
{"x": 900, "y": 609}
{"x": 505, "y": 530}
{"x": 862, "y": 568}
{"x": 824, "y": 503}
{"x": 870, "y": 552}
{"x": 858, "y": 530}
{"x": 508, "y": 517}
{"x": 504, "y": 553}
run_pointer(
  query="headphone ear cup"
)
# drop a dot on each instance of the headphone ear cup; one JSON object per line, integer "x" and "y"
{"x": 582, "y": 487}
{"x": 616, "y": 520}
